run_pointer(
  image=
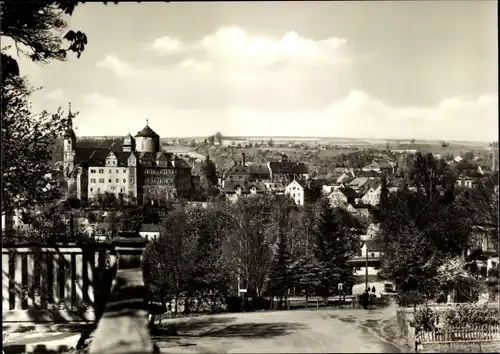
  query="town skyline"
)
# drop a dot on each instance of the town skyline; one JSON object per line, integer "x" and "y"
{"x": 316, "y": 71}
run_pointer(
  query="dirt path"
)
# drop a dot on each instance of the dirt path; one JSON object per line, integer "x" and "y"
{"x": 325, "y": 330}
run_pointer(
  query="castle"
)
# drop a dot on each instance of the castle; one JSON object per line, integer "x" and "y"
{"x": 139, "y": 173}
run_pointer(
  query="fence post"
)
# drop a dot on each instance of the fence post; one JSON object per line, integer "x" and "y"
{"x": 123, "y": 328}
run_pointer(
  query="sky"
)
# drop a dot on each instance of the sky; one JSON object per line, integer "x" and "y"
{"x": 391, "y": 69}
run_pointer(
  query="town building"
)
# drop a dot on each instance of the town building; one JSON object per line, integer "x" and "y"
{"x": 140, "y": 172}
{"x": 286, "y": 171}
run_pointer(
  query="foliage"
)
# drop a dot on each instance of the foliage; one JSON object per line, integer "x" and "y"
{"x": 424, "y": 319}
{"x": 38, "y": 30}
{"x": 211, "y": 276}
{"x": 131, "y": 219}
{"x": 419, "y": 229}
{"x": 335, "y": 244}
{"x": 29, "y": 179}
{"x": 209, "y": 178}
{"x": 218, "y": 138}
{"x": 169, "y": 260}
{"x": 280, "y": 275}
{"x": 308, "y": 272}
{"x": 52, "y": 222}
{"x": 465, "y": 315}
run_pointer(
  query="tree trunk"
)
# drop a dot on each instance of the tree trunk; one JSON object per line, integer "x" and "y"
{"x": 307, "y": 299}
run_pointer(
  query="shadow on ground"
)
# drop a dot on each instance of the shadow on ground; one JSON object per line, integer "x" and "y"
{"x": 222, "y": 327}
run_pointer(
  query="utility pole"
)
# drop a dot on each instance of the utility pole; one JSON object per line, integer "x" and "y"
{"x": 366, "y": 269}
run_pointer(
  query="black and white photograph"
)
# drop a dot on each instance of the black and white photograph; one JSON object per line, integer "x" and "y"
{"x": 250, "y": 176}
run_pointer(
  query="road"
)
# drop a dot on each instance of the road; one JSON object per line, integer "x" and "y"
{"x": 323, "y": 330}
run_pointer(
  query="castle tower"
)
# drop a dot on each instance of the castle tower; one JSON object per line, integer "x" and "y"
{"x": 147, "y": 140}
{"x": 129, "y": 143}
{"x": 69, "y": 145}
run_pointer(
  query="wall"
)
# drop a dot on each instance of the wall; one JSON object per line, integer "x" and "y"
{"x": 146, "y": 144}
{"x": 109, "y": 177}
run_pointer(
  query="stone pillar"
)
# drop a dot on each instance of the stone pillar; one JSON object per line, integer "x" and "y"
{"x": 123, "y": 328}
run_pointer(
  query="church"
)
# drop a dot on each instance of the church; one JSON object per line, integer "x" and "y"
{"x": 139, "y": 173}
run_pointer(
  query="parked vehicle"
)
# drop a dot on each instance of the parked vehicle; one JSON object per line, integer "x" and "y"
{"x": 389, "y": 288}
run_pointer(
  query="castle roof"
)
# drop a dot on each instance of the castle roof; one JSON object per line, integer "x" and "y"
{"x": 69, "y": 133}
{"x": 147, "y": 132}
{"x": 128, "y": 140}
{"x": 288, "y": 167}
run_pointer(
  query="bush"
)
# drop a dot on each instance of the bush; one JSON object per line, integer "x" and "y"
{"x": 470, "y": 315}
{"x": 424, "y": 319}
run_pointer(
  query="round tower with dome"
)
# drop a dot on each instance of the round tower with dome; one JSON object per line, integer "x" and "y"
{"x": 147, "y": 140}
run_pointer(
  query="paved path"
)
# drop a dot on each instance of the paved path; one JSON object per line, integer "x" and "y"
{"x": 324, "y": 330}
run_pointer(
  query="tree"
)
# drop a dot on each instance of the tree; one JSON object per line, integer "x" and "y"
{"x": 113, "y": 221}
{"x": 429, "y": 175}
{"x": 453, "y": 274}
{"x": 29, "y": 178}
{"x": 169, "y": 260}
{"x": 419, "y": 229}
{"x": 270, "y": 143}
{"x": 209, "y": 179}
{"x": 211, "y": 275}
{"x": 38, "y": 30}
{"x": 251, "y": 235}
{"x": 218, "y": 138}
{"x": 211, "y": 139}
{"x": 412, "y": 142}
{"x": 335, "y": 244}
{"x": 107, "y": 200}
{"x": 411, "y": 264}
{"x": 131, "y": 219}
{"x": 280, "y": 277}
{"x": 307, "y": 274}
{"x": 469, "y": 155}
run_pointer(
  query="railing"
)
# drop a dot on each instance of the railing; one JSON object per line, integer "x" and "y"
{"x": 476, "y": 335}
{"x": 465, "y": 334}
{"x": 42, "y": 283}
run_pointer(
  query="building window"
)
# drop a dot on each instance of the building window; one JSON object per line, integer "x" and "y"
{"x": 98, "y": 189}
{"x": 101, "y": 170}
{"x": 101, "y": 180}
{"x": 124, "y": 180}
{"x": 131, "y": 180}
{"x": 91, "y": 189}
{"x": 109, "y": 180}
{"x": 117, "y": 171}
{"x": 92, "y": 171}
{"x": 124, "y": 170}
{"x": 121, "y": 190}
{"x": 110, "y": 171}
{"x": 117, "y": 180}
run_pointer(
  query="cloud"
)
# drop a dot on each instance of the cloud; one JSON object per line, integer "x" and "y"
{"x": 235, "y": 46}
{"x": 357, "y": 115}
{"x": 56, "y": 95}
{"x": 245, "y": 84}
{"x": 235, "y": 43}
{"x": 120, "y": 67}
{"x": 100, "y": 101}
{"x": 166, "y": 45}
{"x": 197, "y": 65}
